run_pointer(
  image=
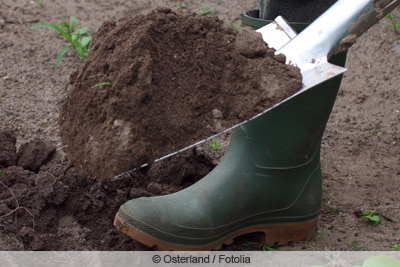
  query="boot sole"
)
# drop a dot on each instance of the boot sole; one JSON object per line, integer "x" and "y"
{"x": 278, "y": 234}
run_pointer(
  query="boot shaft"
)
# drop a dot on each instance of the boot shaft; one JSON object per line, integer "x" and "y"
{"x": 290, "y": 134}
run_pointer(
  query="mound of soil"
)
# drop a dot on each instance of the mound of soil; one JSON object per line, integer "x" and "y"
{"x": 156, "y": 83}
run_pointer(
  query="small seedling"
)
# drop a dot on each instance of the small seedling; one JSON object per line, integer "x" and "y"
{"x": 1, "y": 174}
{"x": 215, "y": 146}
{"x": 370, "y": 217}
{"x": 355, "y": 246}
{"x": 77, "y": 39}
{"x": 395, "y": 23}
{"x": 378, "y": 135}
{"x": 206, "y": 11}
{"x": 101, "y": 84}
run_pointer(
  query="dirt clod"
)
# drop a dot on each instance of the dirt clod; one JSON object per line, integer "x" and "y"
{"x": 70, "y": 215}
{"x": 34, "y": 154}
{"x": 8, "y": 151}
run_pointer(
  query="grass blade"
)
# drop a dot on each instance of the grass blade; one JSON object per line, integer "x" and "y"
{"x": 80, "y": 52}
{"x": 101, "y": 84}
{"x": 56, "y": 28}
{"x": 61, "y": 54}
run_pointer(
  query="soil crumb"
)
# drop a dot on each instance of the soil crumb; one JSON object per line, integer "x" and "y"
{"x": 156, "y": 83}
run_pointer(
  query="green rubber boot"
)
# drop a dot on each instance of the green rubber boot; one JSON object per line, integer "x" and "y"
{"x": 268, "y": 181}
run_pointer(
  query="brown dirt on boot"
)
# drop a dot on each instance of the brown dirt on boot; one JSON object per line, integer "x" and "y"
{"x": 274, "y": 235}
{"x": 155, "y": 83}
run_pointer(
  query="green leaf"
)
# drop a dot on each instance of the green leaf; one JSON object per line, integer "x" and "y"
{"x": 370, "y": 217}
{"x": 82, "y": 31}
{"x": 56, "y": 28}
{"x": 381, "y": 261}
{"x": 79, "y": 51}
{"x": 74, "y": 38}
{"x": 373, "y": 220}
{"x": 85, "y": 41}
{"x": 73, "y": 22}
{"x": 1, "y": 174}
{"x": 61, "y": 54}
{"x": 395, "y": 23}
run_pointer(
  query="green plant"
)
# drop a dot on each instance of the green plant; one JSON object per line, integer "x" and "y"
{"x": 395, "y": 22}
{"x": 77, "y": 38}
{"x": 1, "y": 174}
{"x": 370, "y": 216}
{"x": 378, "y": 135}
{"x": 101, "y": 84}
{"x": 215, "y": 146}
{"x": 355, "y": 246}
{"x": 206, "y": 11}
{"x": 396, "y": 247}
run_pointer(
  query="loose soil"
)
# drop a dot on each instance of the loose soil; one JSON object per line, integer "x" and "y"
{"x": 174, "y": 81}
{"x": 45, "y": 204}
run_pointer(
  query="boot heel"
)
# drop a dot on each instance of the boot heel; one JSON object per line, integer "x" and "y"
{"x": 287, "y": 233}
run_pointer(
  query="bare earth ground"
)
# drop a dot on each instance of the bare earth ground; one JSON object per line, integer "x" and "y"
{"x": 360, "y": 153}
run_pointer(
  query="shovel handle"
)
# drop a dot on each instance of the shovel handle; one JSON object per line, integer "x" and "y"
{"x": 336, "y": 29}
{"x": 380, "y": 9}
